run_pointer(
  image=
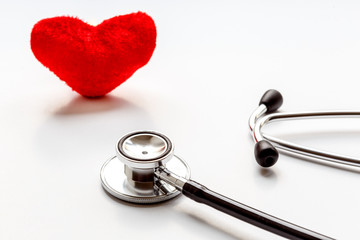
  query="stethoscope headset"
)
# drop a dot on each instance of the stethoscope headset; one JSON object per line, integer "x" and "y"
{"x": 266, "y": 153}
{"x": 145, "y": 169}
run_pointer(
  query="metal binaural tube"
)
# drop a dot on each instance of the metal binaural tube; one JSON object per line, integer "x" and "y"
{"x": 302, "y": 150}
{"x": 259, "y": 111}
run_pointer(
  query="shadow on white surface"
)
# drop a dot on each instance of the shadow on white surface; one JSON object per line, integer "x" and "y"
{"x": 151, "y": 205}
{"x": 323, "y": 162}
{"x": 204, "y": 219}
{"x": 85, "y": 128}
{"x": 183, "y": 213}
{"x": 344, "y": 141}
{"x": 220, "y": 228}
{"x": 83, "y": 105}
{"x": 268, "y": 173}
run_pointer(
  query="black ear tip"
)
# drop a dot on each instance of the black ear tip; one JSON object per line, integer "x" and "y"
{"x": 266, "y": 154}
{"x": 272, "y": 99}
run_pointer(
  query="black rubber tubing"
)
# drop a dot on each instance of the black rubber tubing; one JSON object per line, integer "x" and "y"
{"x": 201, "y": 194}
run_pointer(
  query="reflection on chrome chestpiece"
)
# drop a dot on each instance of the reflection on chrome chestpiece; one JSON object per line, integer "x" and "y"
{"x": 266, "y": 146}
{"x": 130, "y": 175}
{"x": 141, "y": 153}
{"x": 145, "y": 170}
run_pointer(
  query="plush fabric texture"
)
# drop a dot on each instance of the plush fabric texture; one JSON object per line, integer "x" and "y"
{"x": 93, "y": 60}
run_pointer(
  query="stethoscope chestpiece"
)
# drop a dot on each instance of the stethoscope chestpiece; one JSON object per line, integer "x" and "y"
{"x": 130, "y": 176}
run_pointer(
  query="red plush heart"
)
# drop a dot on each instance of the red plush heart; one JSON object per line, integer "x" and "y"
{"x": 93, "y": 60}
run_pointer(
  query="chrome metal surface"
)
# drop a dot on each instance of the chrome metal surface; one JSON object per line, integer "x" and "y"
{"x": 170, "y": 178}
{"x": 259, "y": 111}
{"x": 298, "y": 149}
{"x": 115, "y": 182}
{"x": 145, "y": 149}
{"x": 141, "y": 179}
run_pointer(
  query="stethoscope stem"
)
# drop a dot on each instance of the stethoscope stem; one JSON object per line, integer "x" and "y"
{"x": 202, "y": 194}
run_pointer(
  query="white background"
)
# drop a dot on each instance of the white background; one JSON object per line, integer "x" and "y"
{"x": 212, "y": 63}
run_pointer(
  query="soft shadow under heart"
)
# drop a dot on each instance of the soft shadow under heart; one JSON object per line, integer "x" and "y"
{"x": 83, "y": 105}
{"x": 86, "y": 129}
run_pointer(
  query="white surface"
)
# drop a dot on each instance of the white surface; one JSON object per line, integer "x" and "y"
{"x": 212, "y": 63}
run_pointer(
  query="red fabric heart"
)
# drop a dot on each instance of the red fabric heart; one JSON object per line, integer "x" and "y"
{"x": 93, "y": 60}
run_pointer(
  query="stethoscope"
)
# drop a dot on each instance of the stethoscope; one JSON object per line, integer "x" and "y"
{"x": 266, "y": 146}
{"x": 145, "y": 170}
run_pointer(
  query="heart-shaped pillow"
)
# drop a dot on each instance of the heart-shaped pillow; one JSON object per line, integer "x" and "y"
{"x": 93, "y": 60}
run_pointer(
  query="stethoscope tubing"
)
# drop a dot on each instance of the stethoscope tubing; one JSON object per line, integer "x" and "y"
{"x": 147, "y": 157}
{"x": 289, "y": 147}
{"x": 202, "y": 194}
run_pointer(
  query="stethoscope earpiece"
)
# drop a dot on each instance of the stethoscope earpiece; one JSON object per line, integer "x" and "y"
{"x": 266, "y": 147}
{"x": 272, "y": 99}
{"x": 145, "y": 170}
{"x": 266, "y": 154}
